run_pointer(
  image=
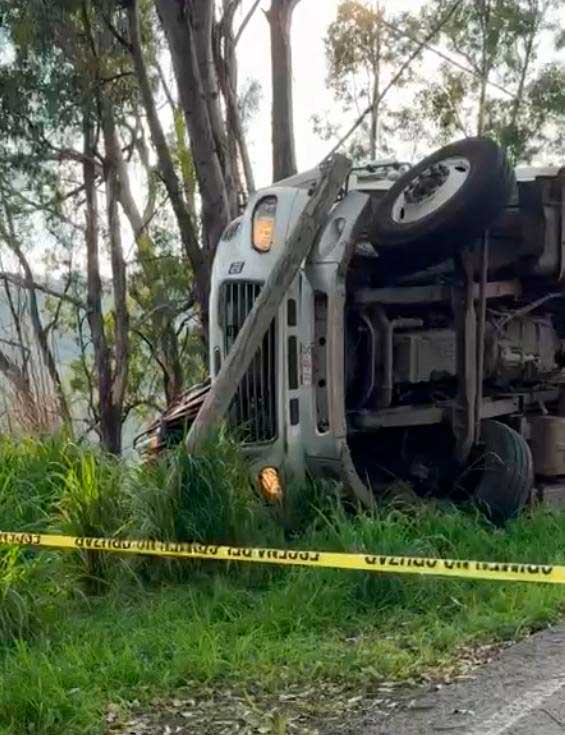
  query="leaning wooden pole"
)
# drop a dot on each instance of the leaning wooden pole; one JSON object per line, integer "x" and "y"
{"x": 296, "y": 249}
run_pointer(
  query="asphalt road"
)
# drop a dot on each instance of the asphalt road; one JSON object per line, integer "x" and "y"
{"x": 522, "y": 692}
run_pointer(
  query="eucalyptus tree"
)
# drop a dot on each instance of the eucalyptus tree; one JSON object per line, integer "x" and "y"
{"x": 82, "y": 85}
{"x": 279, "y": 16}
{"x": 364, "y": 50}
{"x": 491, "y": 89}
{"x": 65, "y": 72}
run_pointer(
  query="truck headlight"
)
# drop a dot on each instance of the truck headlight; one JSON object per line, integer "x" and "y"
{"x": 264, "y": 224}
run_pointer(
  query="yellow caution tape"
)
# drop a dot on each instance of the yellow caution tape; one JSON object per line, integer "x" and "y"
{"x": 462, "y": 569}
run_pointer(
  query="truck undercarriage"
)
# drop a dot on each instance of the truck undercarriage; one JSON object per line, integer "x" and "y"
{"x": 423, "y": 339}
{"x": 438, "y": 358}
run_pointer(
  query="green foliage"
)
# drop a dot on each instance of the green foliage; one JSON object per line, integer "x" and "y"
{"x": 62, "y": 58}
{"x": 18, "y": 606}
{"x": 91, "y": 504}
{"x": 248, "y": 102}
{"x": 357, "y": 42}
{"x": 181, "y": 152}
{"x": 237, "y": 625}
{"x": 546, "y": 106}
{"x": 206, "y": 498}
{"x": 502, "y": 93}
{"x": 64, "y": 488}
{"x": 362, "y": 53}
{"x": 506, "y": 92}
{"x": 28, "y": 488}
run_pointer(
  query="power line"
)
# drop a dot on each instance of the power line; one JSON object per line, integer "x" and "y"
{"x": 421, "y": 45}
{"x": 424, "y": 44}
{"x": 442, "y": 55}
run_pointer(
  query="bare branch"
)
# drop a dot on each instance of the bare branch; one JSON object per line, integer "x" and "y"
{"x": 245, "y": 21}
{"x": 16, "y": 313}
{"x": 12, "y": 240}
{"x": 48, "y": 207}
{"x": 152, "y": 349}
{"x": 416, "y": 39}
{"x": 55, "y": 320}
{"x": 114, "y": 31}
{"x": 13, "y": 343}
{"x": 166, "y": 88}
{"x": 22, "y": 282}
{"x": 87, "y": 372}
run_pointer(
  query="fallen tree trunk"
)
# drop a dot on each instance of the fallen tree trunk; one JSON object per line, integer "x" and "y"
{"x": 296, "y": 249}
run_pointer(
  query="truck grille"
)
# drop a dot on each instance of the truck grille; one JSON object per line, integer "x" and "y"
{"x": 254, "y": 408}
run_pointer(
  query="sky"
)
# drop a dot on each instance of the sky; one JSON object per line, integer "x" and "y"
{"x": 309, "y": 25}
{"x": 310, "y": 22}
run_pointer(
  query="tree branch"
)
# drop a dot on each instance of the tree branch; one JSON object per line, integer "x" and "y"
{"x": 396, "y": 76}
{"x": 26, "y": 283}
{"x": 245, "y": 21}
{"x": 40, "y": 335}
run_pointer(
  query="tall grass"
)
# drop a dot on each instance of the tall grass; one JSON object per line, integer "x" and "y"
{"x": 30, "y": 487}
{"x": 27, "y": 487}
{"x": 34, "y": 410}
{"x": 60, "y": 487}
{"x": 65, "y": 654}
{"x": 207, "y": 498}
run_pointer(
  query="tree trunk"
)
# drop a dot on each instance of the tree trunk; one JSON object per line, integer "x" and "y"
{"x": 17, "y": 377}
{"x": 201, "y": 17}
{"x": 482, "y": 105}
{"x": 162, "y": 317}
{"x": 284, "y": 156}
{"x": 267, "y": 304}
{"x": 17, "y": 320}
{"x": 198, "y": 261}
{"x": 109, "y": 426}
{"x": 528, "y": 53}
{"x": 236, "y": 128}
{"x": 119, "y": 285}
{"x": 226, "y": 66}
{"x": 376, "y": 92}
{"x": 216, "y": 212}
{"x": 485, "y": 67}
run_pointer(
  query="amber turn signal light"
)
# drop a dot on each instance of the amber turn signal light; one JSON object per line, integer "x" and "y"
{"x": 264, "y": 224}
{"x": 270, "y": 484}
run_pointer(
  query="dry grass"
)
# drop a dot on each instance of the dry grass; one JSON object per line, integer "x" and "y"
{"x": 34, "y": 412}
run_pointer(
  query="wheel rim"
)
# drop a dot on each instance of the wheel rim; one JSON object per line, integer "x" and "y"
{"x": 430, "y": 189}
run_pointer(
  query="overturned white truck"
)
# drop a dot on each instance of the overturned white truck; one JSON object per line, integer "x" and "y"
{"x": 422, "y": 339}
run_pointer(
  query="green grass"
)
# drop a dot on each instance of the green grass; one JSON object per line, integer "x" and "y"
{"x": 153, "y": 626}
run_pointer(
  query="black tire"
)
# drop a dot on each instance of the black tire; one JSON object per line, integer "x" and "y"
{"x": 508, "y": 472}
{"x": 410, "y": 246}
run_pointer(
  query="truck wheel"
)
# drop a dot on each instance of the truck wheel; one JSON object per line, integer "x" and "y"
{"x": 439, "y": 205}
{"x": 508, "y": 472}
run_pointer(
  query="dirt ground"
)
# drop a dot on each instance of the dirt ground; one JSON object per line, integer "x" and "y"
{"x": 321, "y": 710}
